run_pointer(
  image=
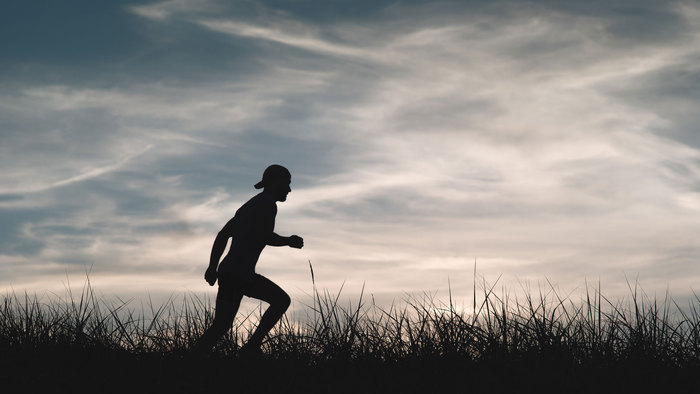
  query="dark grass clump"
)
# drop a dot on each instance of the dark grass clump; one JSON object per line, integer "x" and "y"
{"x": 541, "y": 342}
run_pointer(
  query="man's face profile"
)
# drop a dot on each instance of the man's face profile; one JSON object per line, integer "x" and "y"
{"x": 279, "y": 188}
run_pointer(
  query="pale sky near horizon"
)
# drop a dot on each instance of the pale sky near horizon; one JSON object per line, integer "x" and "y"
{"x": 547, "y": 140}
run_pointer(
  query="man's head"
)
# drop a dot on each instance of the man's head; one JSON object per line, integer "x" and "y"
{"x": 276, "y": 180}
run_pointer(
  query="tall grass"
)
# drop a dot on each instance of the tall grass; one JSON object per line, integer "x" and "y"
{"x": 498, "y": 326}
{"x": 539, "y": 341}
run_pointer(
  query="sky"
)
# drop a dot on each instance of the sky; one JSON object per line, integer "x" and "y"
{"x": 547, "y": 141}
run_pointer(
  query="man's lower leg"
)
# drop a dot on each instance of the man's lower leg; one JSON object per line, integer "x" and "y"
{"x": 271, "y": 316}
{"x": 207, "y": 341}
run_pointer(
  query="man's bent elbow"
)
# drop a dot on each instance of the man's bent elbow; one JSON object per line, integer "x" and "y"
{"x": 223, "y": 236}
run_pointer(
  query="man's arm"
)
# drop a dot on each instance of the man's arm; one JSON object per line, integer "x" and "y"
{"x": 217, "y": 250}
{"x": 264, "y": 229}
{"x": 277, "y": 240}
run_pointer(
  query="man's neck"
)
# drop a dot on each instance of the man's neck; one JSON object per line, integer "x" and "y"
{"x": 269, "y": 195}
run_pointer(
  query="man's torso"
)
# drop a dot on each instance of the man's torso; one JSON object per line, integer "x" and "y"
{"x": 250, "y": 226}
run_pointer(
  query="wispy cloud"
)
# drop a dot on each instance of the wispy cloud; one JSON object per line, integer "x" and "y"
{"x": 163, "y": 10}
{"x": 303, "y": 41}
{"x": 419, "y": 139}
{"x": 88, "y": 174}
{"x": 150, "y": 12}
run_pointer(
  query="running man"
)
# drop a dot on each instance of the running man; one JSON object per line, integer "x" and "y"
{"x": 252, "y": 228}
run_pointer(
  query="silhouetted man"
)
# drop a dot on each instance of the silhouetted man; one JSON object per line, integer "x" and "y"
{"x": 252, "y": 228}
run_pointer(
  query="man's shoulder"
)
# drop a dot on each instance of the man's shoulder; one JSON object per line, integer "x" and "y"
{"x": 260, "y": 203}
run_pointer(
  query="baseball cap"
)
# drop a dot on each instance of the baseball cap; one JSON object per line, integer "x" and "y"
{"x": 272, "y": 172}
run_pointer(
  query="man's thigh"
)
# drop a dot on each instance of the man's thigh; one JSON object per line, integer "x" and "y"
{"x": 266, "y": 290}
{"x": 228, "y": 298}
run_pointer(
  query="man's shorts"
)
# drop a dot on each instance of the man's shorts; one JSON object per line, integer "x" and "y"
{"x": 235, "y": 284}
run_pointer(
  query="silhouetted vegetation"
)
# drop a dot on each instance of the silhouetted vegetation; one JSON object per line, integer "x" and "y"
{"x": 539, "y": 342}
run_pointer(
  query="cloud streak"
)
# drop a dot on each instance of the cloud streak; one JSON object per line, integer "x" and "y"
{"x": 306, "y": 41}
{"x": 89, "y": 174}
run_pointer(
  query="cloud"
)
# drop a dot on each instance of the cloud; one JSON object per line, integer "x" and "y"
{"x": 163, "y": 10}
{"x": 92, "y": 173}
{"x": 150, "y": 12}
{"x": 303, "y": 41}
{"x": 530, "y": 136}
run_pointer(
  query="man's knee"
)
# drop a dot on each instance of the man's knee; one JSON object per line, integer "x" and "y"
{"x": 282, "y": 302}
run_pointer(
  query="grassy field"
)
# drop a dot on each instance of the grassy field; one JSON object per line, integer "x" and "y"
{"x": 541, "y": 342}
